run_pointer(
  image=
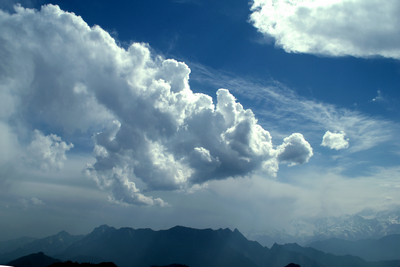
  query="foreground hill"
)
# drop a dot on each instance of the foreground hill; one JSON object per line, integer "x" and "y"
{"x": 34, "y": 260}
{"x": 86, "y": 264}
{"x": 41, "y": 260}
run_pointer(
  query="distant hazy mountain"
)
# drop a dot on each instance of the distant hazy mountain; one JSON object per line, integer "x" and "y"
{"x": 330, "y": 260}
{"x": 33, "y": 260}
{"x": 49, "y": 245}
{"x": 365, "y": 224}
{"x": 11, "y": 245}
{"x": 385, "y": 248}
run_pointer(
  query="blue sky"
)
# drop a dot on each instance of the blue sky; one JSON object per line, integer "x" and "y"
{"x": 124, "y": 123}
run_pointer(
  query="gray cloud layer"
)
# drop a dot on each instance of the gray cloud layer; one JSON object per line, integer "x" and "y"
{"x": 60, "y": 75}
{"x": 358, "y": 28}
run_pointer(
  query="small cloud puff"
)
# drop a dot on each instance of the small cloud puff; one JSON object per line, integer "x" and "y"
{"x": 294, "y": 150}
{"x": 379, "y": 97}
{"x": 36, "y": 201}
{"x": 335, "y": 140}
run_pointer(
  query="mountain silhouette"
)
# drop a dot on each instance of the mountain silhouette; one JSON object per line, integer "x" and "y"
{"x": 183, "y": 246}
{"x": 145, "y": 247}
{"x": 193, "y": 247}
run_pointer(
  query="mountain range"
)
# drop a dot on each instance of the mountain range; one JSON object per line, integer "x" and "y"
{"x": 128, "y": 247}
{"x": 367, "y": 224}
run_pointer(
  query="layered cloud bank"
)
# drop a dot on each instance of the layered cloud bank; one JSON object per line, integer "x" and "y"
{"x": 59, "y": 75}
{"x": 358, "y": 28}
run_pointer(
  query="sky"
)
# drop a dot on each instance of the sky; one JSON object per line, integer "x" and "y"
{"x": 207, "y": 114}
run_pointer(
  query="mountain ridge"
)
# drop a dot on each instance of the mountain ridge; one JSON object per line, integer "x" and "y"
{"x": 145, "y": 247}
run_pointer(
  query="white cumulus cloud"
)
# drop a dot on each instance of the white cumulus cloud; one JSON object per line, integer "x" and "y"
{"x": 294, "y": 150}
{"x": 335, "y": 140}
{"x": 359, "y": 28}
{"x": 146, "y": 122}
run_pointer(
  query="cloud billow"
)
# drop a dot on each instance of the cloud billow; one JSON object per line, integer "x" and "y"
{"x": 358, "y": 28}
{"x": 146, "y": 122}
{"x": 47, "y": 152}
{"x": 294, "y": 150}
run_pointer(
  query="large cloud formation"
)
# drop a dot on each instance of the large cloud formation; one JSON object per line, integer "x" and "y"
{"x": 60, "y": 75}
{"x": 358, "y": 28}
